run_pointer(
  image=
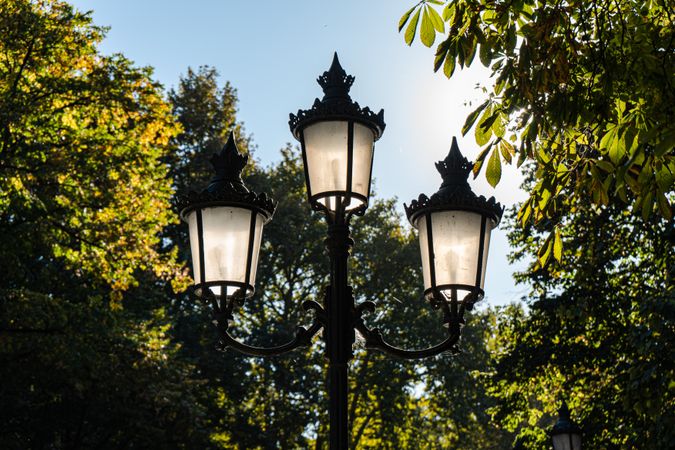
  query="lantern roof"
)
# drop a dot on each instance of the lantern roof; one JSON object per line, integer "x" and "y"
{"x": 336, "y": 104}
{"x": 455, "y": 192}
{"x": 227, "y": 187}
{"x": 565, "y": 425}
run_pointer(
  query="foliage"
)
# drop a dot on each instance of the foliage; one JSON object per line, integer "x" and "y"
{"x": 81, "y": 136}
{"x": 83, "y": 198}
{"x": 598, "y": 333}
{"x": 585, "y": 90}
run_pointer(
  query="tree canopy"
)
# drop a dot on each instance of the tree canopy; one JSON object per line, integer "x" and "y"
{"x": 584, "y": 90}
{"x": 102, "y": 347}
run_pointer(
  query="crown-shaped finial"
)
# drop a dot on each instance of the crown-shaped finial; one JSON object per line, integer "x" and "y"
{"x": 455, "y": 168}
{"x": 228, "y": 165}
{"x": 335, "y": 81}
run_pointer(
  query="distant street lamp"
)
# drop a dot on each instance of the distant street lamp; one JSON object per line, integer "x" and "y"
{"x": 337, "y": 135}
{"x": 566, "y": 435}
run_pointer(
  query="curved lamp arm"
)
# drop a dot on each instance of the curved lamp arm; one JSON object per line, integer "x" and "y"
{"x": 303, "y": 336}
{"x": 374, "y": 338}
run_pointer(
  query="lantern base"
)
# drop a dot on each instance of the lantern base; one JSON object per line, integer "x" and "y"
{"x": 232, "y": 289}
{"x": 334, "y": 201}
{"x": 464, "y": 294}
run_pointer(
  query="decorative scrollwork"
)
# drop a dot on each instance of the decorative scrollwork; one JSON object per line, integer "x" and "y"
{"x": 222, "y": 315}
{"x": 375, "y": 340}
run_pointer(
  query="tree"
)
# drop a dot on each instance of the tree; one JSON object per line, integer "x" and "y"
{"x": 597, "y": 333}
{"x": 83, "y": 198}
{"x": 584, "y": 90}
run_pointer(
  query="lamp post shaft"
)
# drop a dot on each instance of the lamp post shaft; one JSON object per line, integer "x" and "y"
{"x": 339, "y": 332}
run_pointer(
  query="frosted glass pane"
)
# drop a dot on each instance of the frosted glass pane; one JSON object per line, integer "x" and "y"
{"x": 456, "y": 236}
{"x": 326, "y": 153}
{"x": 226, "y": 239}
{"x": 257, "y": 237}
{"x": 489, "y": 225}
{"x": 226, "y": 236}
{"x": 363, "y": 157}
{"x": 194, "y": 245}
{"x": 567, "y": 442}
{"x": 421, "y": 225}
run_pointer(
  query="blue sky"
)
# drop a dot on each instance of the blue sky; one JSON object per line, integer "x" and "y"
{"x": 272, "y": 52}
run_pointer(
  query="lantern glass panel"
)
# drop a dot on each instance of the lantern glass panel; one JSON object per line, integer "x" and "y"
{"x": 327, "y": 154}
{"x": 456, "y": 243}
{"x": 226, "y": 240}
{"x": 489, "y": 225}
{"x": 424, "y": 251}
{"x": 567, "y": 441}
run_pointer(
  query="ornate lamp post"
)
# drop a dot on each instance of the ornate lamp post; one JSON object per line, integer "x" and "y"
{"x": 337, "y": 136}
{"x": 565, "y": 434}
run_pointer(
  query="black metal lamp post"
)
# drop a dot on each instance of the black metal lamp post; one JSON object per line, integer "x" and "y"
{"x": 337, "y": 136}
{"x": 566, "y": 435}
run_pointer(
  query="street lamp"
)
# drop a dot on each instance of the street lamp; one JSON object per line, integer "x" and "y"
{"x": 337, "y": 136}
{"x": 566, "y": 435}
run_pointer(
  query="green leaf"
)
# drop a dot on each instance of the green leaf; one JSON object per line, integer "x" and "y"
{"x": 471, "y": 118}
{"x": 647, "y": 205}
{"x": 470, "y": 51}
{"x": 427, "y": 32}
{"x": 449, "y": 66}
{"x": 480, "y": 159}
{"x": 483, "y": 131}
{"x": 412, "y": 28}
{"x": 506, "y": 150}
{"x": 449, "y": 12}
{"x": 666, "y": 144}
{"x": 605, "y": 165}
{"x": 664, "y": 205}
{"x": 524, "y": 212}
{"x": 557, "y": 246}
{"x": 436, "y": 20}
{"x": 544, "y": 253}
{"x": 498, "y": 126}
{"x": 494, "y": 169}
{"x": 405, "y": 17}
{"x": 440, "y": 58}
{"x": 485, "y": 55}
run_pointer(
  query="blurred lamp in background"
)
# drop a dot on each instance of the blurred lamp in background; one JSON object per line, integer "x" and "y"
{"x": 566, "y": 435}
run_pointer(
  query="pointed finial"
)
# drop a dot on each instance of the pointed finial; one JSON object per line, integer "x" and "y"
{"x": 228, "y": 165}
{"x": 335, "y": 81}
{"x": 564, "y": 411}
{"x": 455, "y": 168}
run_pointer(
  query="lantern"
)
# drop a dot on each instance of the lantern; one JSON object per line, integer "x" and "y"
{"x": 337, "y": 136}
{"x": 454, "y": 226}
{"x": 566, "y": 435}
{"x": 225, "y": 224}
